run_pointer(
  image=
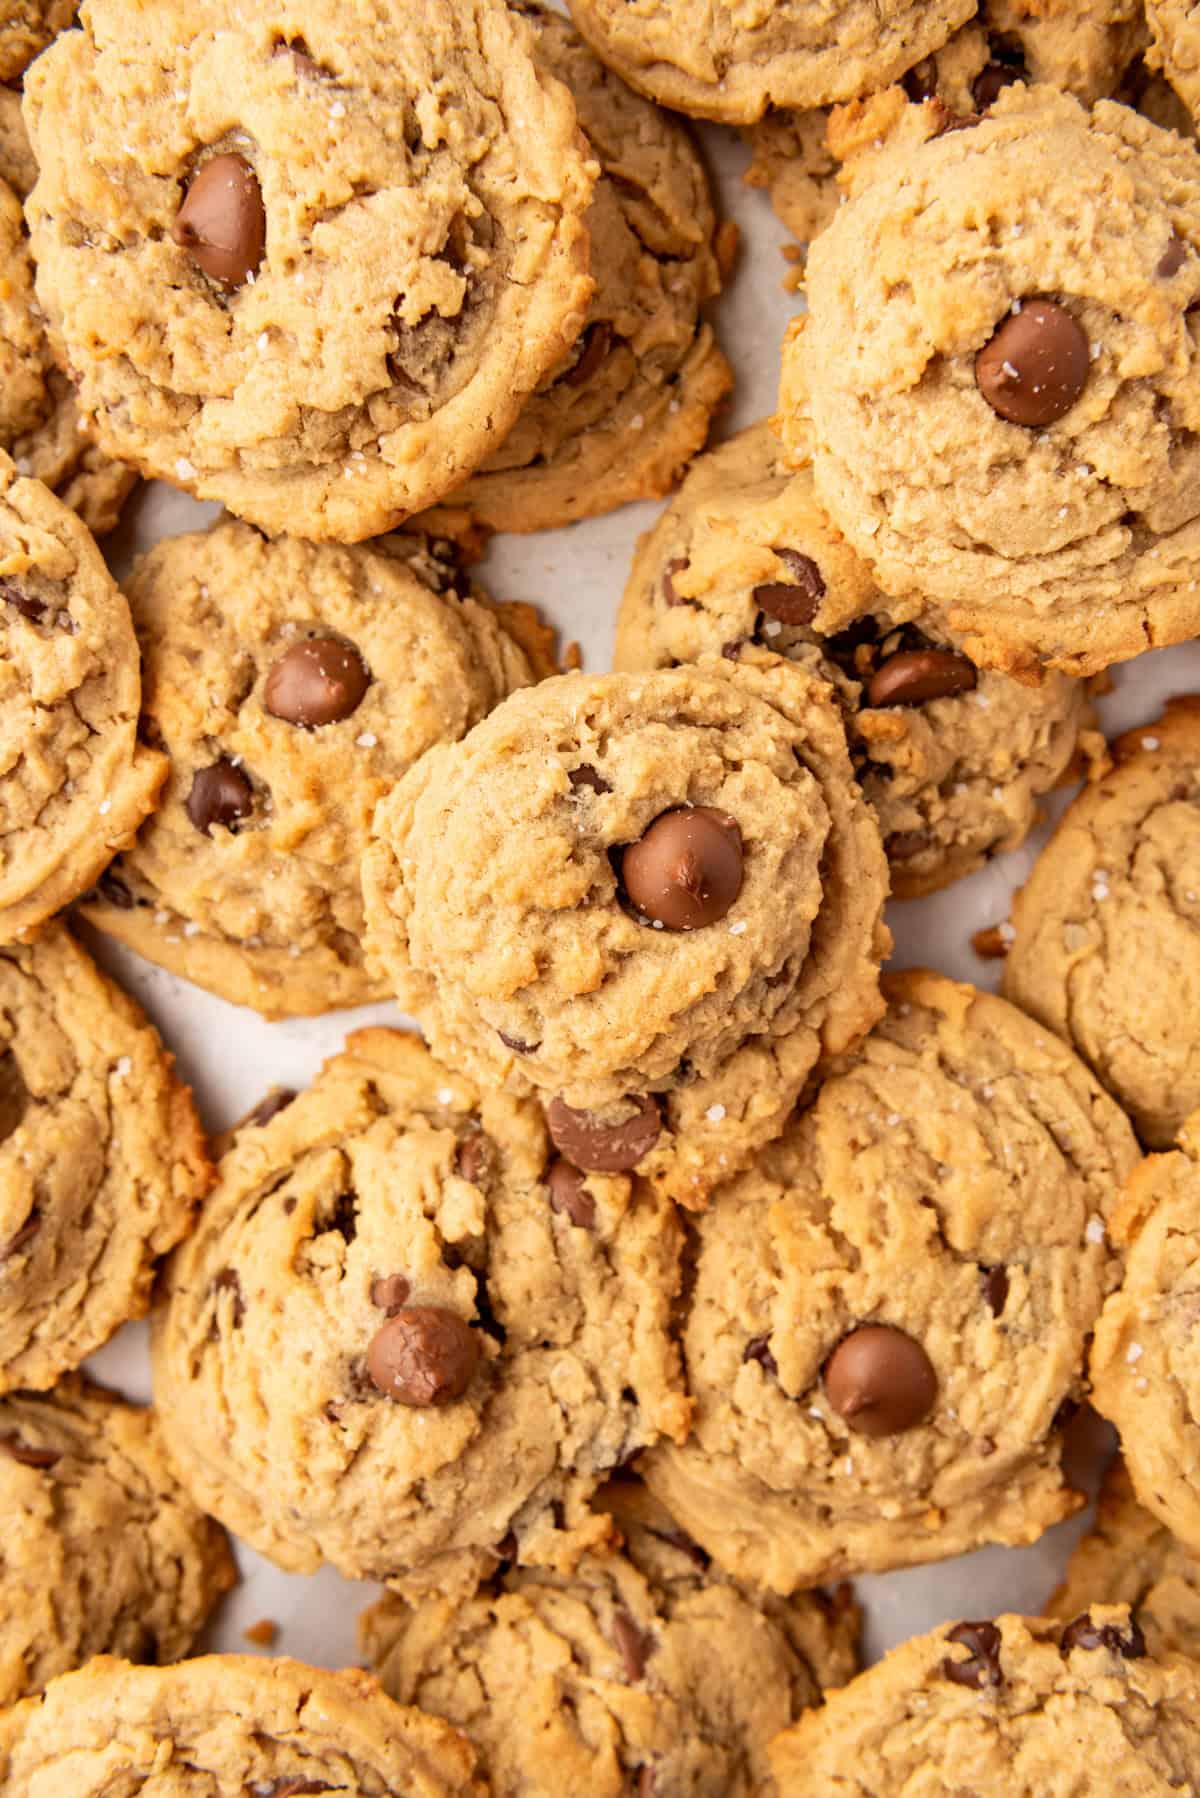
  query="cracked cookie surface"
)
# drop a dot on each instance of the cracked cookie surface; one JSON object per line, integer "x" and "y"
{"x": 26, "y": 27}
{"x": 1175, "y": 30}
{"x": 318, "y": 254}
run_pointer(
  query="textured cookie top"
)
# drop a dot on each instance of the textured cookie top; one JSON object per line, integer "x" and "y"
{"x": 952, "y": 759}
{"x": 1175, "y": 28}
{"x": 1146, "y": 1356}
{"x": 397, "y": 1339}
{"x": 1022, "y": 1708}
{"x": 892, "y": 1306}
{"x": 26, "y": 27}
{"x": 732, "y": 62}
{"x": 1114, "y": 895}
{"x": 583, "y": 899}
{"x": 103, "y": 1552}
{"x": 640, "y": 1673}
{"x": 1129, "y": 1557}
{"x": 102, "y": 1159}
{"x": 291, "y": 684}
{"x": 1004, "y": 405}
{"x": 318, "y": 254}
{"x": 225, "y": 1726}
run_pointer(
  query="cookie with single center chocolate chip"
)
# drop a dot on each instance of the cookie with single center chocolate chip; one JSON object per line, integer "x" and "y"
{"x": 953, "y": 759}
{"x": 1016, "y": 1708}
{"x": 645, "y": 1671}
{"x": 291, "y": 685}
{"x": 582, "y": 900}
{"x": 387, "y": 1347}
{"x": 104, "y": 1553}
{"x": 350, "y": 245}
{"x": 891, "y": 1308}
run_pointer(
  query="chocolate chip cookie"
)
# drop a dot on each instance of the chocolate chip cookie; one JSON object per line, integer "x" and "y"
{"x": 1175, "y": 49}
{"x": 403, "y": 1336}
{"x": 953, "y": 759}
{"x": 621, "y": 416}
{"x": 1114, "y": 898}
{"x": 582, "y": 901}
{"x": 1000, "y": 419}
{"x": 291, "y": 684}
{"x": 890, "y": 1311}
{"x": 349, "y": 244}
{"x": 76, "y": 782}
{"x": 26, "y": 27}
{"x": 102, "y": 1159}
{"x": 230, "y": 1726}
{"x": 1128, "y": 1557}
{"x": 730, "y": 63}
{"x": 642, "y": 1672}
{"x": 103, "y": 1553}
{"x": 1019, "y": 1708}
{"x": 18, "y": 169}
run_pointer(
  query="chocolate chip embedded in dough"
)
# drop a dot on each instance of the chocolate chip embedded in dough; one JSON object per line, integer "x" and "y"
{"x": 568, "y": 1195}
{"x": 587, "y": 1142}
{"x": 390, "y": 1293}
{"x": 915, "y": 676}
{"x": 222, "y": 223}
{"x": 1125, "y": 1640}
{"x": 422, "y": 1356}
{"x": 880, "y": 1381}
{"x": 995, "y": 1288}
{"x": 23, "y": 1452}
{"x": 319, "y": 680}
{"x": 1036, "y": 364}
{"x": 795, "y": 601}
{"x": 219, "y": 794}
{"x": 685, "y": 872}
{"x": 981, "y": 1667}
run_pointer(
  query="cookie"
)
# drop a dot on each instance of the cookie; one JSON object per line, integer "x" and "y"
{"x": 581, "y": 901}
{"x": 1175, "y": 47}
{"x": 1145, "y": 1368}
{"x": 1019, "y": 1708}
{"x": 291, "y": 685}
{"x": 1114, "y": 895}
{"x": 1129, "y": 1558}
{"x": 18, "y": 168}
{"x": 722, "y": 62}
{"x": 999, "y": 413}
{"x": 316, "y": 257}
{"x": 640, "y": 1673}
{"x": 890, "y": 1310}
{"x": 102, "y": 1159}
{"x": 630, "y": 405}
{"x": 227, "y": 1726}
{"x": 103, "y": 1553}
{"x": 400, "y": 1337}
{"x": 77, "y": 783}
{"x": 26, "y": 27}
{"x": 952, "y": 759}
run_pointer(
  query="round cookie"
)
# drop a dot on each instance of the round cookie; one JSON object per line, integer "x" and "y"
{"x": 102, "y": 1159}
{"x": 1145, "y": 1362}
{"x": 1016, "y": 1708}
{"x": 1129, "y": 1558}
{"x": 398, "y": 1339}
{"x": 729, "y": 63}
{"x": 640, "y": 1673}
{"x": 1001, "y": 423}
{"x": 291, "y": 684}
{"x": 953, "y": 760}
{"x": 228, "y": 1726}
{"x": 1175, "y": 48}
{"x": 350, "y": 245}
{"x": 76, "y": 782}
{"x": 631, "y": 404}
{"x": 890, "y": 1311}
{"x": 582, "y": 901}
{"x": 1114, "y": 896}
{"x": 26, "y": 27}
{"x": 103, "y": 1552}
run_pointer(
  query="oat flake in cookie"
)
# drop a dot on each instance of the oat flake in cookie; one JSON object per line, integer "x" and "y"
{"x": 393, "y": 1344}
{"x": 103, "y": 1553}
{"x": 585, "y": 900}
{"x": 102, "y": 1159}
{"x": 891, "y": 1307}
{"x": 320, "y": 251}
{"x": 76, "y": 783}
{"x": 227, "y": 1726}
{"x": 291, "y": 684}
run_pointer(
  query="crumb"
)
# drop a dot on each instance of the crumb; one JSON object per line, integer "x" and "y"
{"x": 262, "y": 1634}
{"x": 993, "y": 943}
{"x": 726, "y": 247}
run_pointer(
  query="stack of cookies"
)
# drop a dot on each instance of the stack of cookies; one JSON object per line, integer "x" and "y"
{"x": 682, "y": 1264}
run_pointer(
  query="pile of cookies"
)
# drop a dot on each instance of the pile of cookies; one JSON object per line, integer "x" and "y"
{"x": 687, "y": 1264}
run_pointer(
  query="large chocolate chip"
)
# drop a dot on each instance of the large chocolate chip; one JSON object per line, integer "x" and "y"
{"x": 222, "y": 223}
{"x": 1036, "y": 365}
{"x": 423, "y": 1355}
{"x": 597, "y": 341}
{"x": 915, "y": 676}
{"x": 390, "y": 1293}
{"x": 474, "y": 1157}
{"x": 632, "y": 1644}
{"x": 795, "y": 601}
{"x": 1127, "y": 1641}
{"x": 220, "y": 794}
{"x": 880, "y": 1381}
{"x": 22, "y": 602}
{"x": 686, "y": 871}
{"x": 982, "y": 1665}
{"x": 568, "y": 1195}
{"x": 17, "y": 1450}
{"x": 995, "y": 1289}
{"x": 588, "y": 1142}
{"x": 319, "y": 680}
{"x": 759, "y": 1349}
{"x": 1172, "y": 258}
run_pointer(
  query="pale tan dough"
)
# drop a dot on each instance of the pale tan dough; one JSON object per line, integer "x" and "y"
{"x": 18, "y": 169}
{"x": 26, "y": 27}
{"x": 1175, "y": 49}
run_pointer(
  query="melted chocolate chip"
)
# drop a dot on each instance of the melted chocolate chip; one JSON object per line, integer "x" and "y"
{"x": 114, "y": 892}
{"x": 588, "y": 1142}
{"x": 1172, "y": 258}
{"x": 596, "y": 342}
{"x": 31, "y": 609}
{"x": 880, "y": 1381}
{"x": 632, "y": 1644}
{"x": 303, "y": 60}
{"x": 390, "y": 1293}
{"x": 982, "y": 1665}
{"x": 1125, "y": 1640}
{"x": 686, "y": 870}
{"x": 991, "y": 82}
{"x": 795, "y": 601}
{"x": 916, "y": 676}
{"x": 516, "y": 1045}
{"x": 920, "y": 83}
{"x": 675, "y": 566}
{"x": 14, "y": 1094}
{"x": 1036, "y": 365}
{"x": 270, "y": 1106}
{"x": 228, "y": 1281}
{"x": 475, "y": 1157}
{"x": 222, "y": 223}
{"x": 1065, "y": 1414}
{"x": 758, "y": 1349}
{"x": 422, "y": 1356}
{"x": 319, "y": 680}
{"x": 995, "y": 1288}
{"x": 27, "y": 1455}
{"x": 344, "y": 1217}
{"x": 568, "y": 1195}
{"x": 587, "y": 776}
{"x": 219, "y": 794}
